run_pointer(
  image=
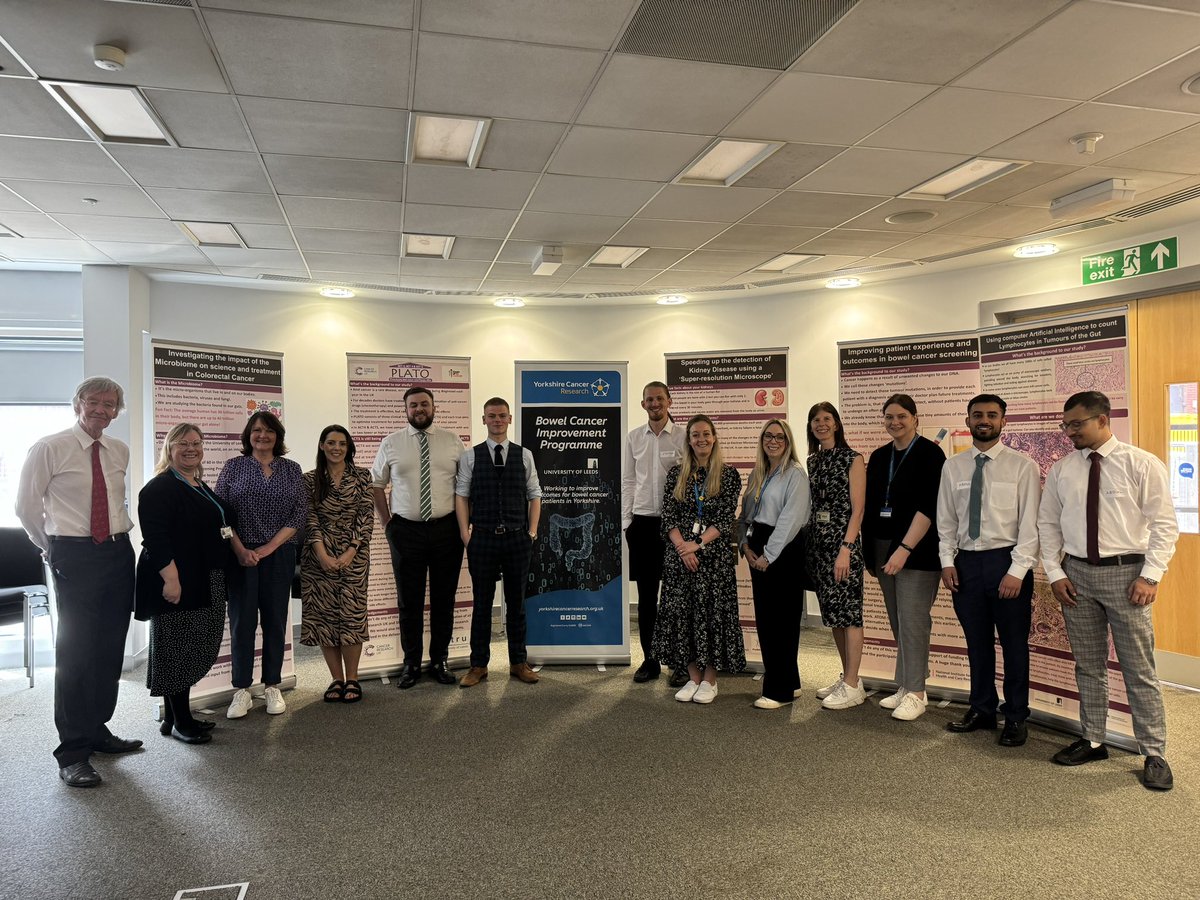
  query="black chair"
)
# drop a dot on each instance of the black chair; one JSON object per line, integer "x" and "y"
{"x": 23, "y": 590}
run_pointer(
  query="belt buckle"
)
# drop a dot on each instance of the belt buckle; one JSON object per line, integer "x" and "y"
{"x": 500, "y": 529}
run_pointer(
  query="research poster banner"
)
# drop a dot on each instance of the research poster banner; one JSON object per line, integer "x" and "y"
{"x": 572, "y": 420}
{"x": 218, "y": 389}
{"x": 740, "y": 390}
{"x": 377, "y": 384}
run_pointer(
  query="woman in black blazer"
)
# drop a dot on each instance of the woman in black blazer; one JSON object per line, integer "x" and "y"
{"x": 181, "y": 578}
{"x": 900, "y": 545}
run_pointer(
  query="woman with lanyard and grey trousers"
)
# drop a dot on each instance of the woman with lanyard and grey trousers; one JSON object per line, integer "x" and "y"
{"x": 775, "y": 509}
{"x": 900, "y": 545}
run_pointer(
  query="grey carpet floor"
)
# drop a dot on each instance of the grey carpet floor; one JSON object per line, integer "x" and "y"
{"x": 585, "y": 785}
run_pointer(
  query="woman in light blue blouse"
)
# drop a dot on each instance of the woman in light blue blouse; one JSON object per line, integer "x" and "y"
{"x": 267, "y": 493}
{"x": 775, "y": 509}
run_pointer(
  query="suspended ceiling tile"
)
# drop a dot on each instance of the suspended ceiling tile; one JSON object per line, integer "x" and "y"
{"x": 1178, "y": 152}
{"x": 455, "y": 186}
{"x": 382, "y": 264}
{"x": 458, "y": 75}
{"x": 688, "y": 97}
{"x": 519, "y": 145}
{"x": 657, "y": 258}
{"x": 324, "y": 212}
{"x": 773, "y": 238}
{"x": 849, "y": 242}
{"x": 458, "y": 220}
{"x": 151, "y": 253}
{"x": 519, "y": 271}
{"x": 725, "y": 260}
{"x": 120, "y": 228}
{"x": 667, "y": 234}
{"x": 443, "y": 268}
{"x": 350, "y": 179}
{"x": 475, "y": 248}
{"x": 113, "y": 199}
{"x": 867, "y": 171}
{"x": 434, "y": 285}
{"x": 616, "y": 276}
{"x": 920, "y": 40}
{"x": 1161, "y": 88}
{"x": 247, "y": 258}
{"x": 1004, "y": 222}
{"x": 265, "y": 237}
{"x": 33, "y": 225}
{"x": 300, "y": 128}
{"x": 272, "y": 56}
{"x": 566, "y": 228}
{"x": 1039, "y": 62}
{"x": 218, "y": 206}
{"x": 574, "y": 255}
{"x": 698, "y": 203}
{"x": 9, "y": 200}
{"x": 683, "y": 280}
{"x": 1017, "y": 182}
{"x": 568, "y": 23}
{"x": 379, "y": 278}
{"x": 943, "y": 213}
{"x": 30, "y": 111}
{"x": 787, "y": 165}
{"x": 202, "y": 121}
{"x": 392, "y": 14}
{"x": 929, "y": 245}
{"x": 617, "y": 153}
{"x": 203, "y": 170}
{"x": 256, "y": 271}
{"x": 813, "y": 108}
{"x": 591, "y": 196}
{"x": 812, "y": 209}
{"x": 37, "y": 250}
{"x": 51, "y": 160}
{"x": 346, "y": 241}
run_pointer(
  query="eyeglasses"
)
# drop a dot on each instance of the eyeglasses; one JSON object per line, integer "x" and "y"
{"x": 774, "y": 439}
{"x": 106, "y": 405}
{"x": 188, "y": 445}
{"x": 1076, "y": 424}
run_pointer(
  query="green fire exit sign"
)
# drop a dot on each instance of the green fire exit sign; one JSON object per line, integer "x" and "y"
{"x": 1142, "y": 259}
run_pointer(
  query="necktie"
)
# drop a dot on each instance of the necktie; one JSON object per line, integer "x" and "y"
{"x": 499, "y": 457}
{"x": 975, "y": 505}
{"x": 426, "y": 489}
{"x": 99, "y": 498}
{"x": 1093, "y": 510}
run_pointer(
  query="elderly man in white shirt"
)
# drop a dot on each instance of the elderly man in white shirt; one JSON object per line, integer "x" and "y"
{"x": 987, "y": 542}
{"x": 72, "y": 502}
{"x": 1108, "y": 530}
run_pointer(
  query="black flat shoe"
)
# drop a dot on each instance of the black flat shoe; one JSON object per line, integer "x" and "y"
{"x": 647, "y": 671}
{"x": 165, "y": 726}
{"x": 80, "y": 774}
{"x": 1079, "y": 753}
{"x": 205, "y": 724}
{"x": 191, "y": 737}
{"x": 440, "y": 673}
{"x": 972, "y": 721}
{"x": 409, "y": 676}
{"x": 1014, "y": 734}
{"x": 114, "y": 744}
{"x": 1156, "y": 775}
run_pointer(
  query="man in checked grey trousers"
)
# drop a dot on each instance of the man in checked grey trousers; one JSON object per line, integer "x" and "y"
{"x": 1108, "y": 530}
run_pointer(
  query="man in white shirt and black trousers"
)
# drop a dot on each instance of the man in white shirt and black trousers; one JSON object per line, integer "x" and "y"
{"x": 650, "y": 452}
{"x": 988, "y": 542}
{"x": 1108, "y": 531}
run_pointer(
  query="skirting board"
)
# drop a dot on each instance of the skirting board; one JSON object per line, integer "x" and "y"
{"x": 1178, "y": 669}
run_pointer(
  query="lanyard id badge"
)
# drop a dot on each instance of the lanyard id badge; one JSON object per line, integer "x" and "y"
{"x": 823, "y": 517}
{"x": 885, "y": 512}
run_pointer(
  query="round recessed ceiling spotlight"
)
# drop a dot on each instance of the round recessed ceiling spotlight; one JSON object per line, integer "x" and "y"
{"x": 911, "y": 217}
{"x": 840, "y": 284}
{"x": 336, "y": 293}
{"x": 1032, "y": 251}
{"x": 1191, "y": 86}
{"x": 671, "y": 300}
{"x": 508, "y": 302}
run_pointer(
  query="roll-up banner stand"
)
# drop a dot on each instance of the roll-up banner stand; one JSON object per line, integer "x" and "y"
{"x": 218, "y": 389}
{"x": 740, "y": 390}
{"x": 571, "y": 417}
{"x": 377, "y": 384}
{"x": 1035, "y": 368}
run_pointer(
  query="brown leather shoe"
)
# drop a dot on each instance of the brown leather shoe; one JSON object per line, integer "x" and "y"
{"x": 522, "y": 672}
{"x": 474, "y": 676}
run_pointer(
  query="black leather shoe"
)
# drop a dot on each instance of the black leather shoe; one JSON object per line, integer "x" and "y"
{"x": 80, "y": 774}
{"x": 1079, "y": 753}
{"x": 679, "y": 678}
{"x": 647, "y": 671}
{"x": 166, "y": 725}
{"x": 114, "y": 744}
{"x": 409, "y": 676}
{"x": 199, "y": 736}
{"x": 972, "y": 721}
{"x": 205, "y": 724}
{"x": 1014, "y": 734}
{"x": 441, "y": 674}
{"x": 1157, "y": 774}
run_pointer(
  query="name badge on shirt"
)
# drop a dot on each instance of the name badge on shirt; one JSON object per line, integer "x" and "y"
{"x": 962, "y": 485}
{"x": 695, "y": 528}
{"x": 823, "y": 517}
{"x": 226, "y": 532}
{"x": 885, "y": 512}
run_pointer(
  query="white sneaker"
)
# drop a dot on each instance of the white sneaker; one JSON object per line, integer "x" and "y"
{"x": 768, "y": 703}
{"x": 241, "y": 704}
{"x": 911, "y": 707}
{"x": 892, "y": 701}
{"x": 687, "y": 692}
{"x": 275, "y": 704}
{"x": 826, "y": 691}
{"x": 844, "y": 696}
{"x": 705, "y": 693}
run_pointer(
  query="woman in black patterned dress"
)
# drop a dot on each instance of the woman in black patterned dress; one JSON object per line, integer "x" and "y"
{"x": 698, "y": 625}
{"x": 335, "y": 560}
{"x": 838, "y": 478}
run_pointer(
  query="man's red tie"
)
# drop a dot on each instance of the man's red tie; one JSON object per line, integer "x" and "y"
{"x": 99, "y": 498}
{"x": 1093, "y": 510}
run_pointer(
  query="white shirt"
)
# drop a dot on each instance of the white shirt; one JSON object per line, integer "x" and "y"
{"x": 466, "y": 469}
{"x": 1008, "y": 514}
{"x": 398, "y": 462}
{"x": 648, "y": 459}
{"x": 1136, "y": 513}
{"x": 785, "y": 503}
{"x": 55, "y": 492}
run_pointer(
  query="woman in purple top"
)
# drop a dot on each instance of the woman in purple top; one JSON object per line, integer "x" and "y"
{"x": 267, "y": 493}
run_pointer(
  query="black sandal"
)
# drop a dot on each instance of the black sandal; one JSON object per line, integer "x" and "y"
{"x": 352, "y": 693}
{"x": 336, "y": 692}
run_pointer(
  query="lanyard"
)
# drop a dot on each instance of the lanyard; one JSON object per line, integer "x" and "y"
{"x": 894, "y": 466}
{"x": 761, "y": 490}
{"x": 203, "y": 492}
{"x": 699, "y": 497}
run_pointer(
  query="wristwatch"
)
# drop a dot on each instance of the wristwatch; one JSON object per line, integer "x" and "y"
{"x": 699, "y": 539}
{"x": 1153, "y": 582}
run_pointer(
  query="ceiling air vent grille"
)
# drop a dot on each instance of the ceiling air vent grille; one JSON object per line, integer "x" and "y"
{"x": 187, "y": 4}
{"x": 1152, "y": 206}
{"x": 765, "y": 34}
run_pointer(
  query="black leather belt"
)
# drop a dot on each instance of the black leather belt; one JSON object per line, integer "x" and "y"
{"x": 1128, "y": 559}
{"x": 122, "y": 536}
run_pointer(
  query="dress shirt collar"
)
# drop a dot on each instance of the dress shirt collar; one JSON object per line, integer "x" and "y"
{"x": 86, "y": 440}
{"x": 667, "y": 429}
{"x": 991, "y": 452}
{"x": 412, "y": 430}
{"x": 492, "y": 445}
{"x": 1105, "y": 449}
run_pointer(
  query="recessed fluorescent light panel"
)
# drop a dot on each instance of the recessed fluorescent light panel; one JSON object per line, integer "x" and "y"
{"x": 112, "y": 114}
{"x": 785, "y": 262}
{"x": 428, "y": 246}
{"x": 725, "y": 161}
{"x": 965, "y": 177}
{"x": 615, "y": 257}
{"x": 447, "y": 140}
{"x": 211, "y": 234}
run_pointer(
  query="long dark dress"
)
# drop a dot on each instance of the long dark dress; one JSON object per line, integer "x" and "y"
{"x": 829, "y": 478}
{"x": 698, "y": 611}
{"x": 335, "y": 603}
